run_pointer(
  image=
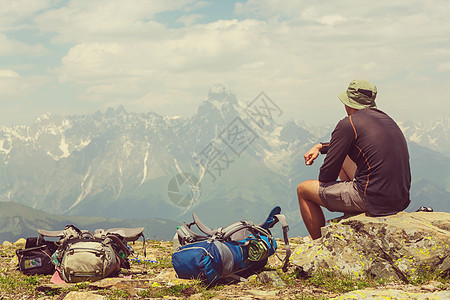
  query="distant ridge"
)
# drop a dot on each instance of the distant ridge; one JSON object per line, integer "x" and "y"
{"x": 20, "y": 221}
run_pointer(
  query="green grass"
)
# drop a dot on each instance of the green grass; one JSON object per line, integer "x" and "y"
{"x": 156, "y": 245}
{"x": 14, "y": 284}
{"x": 78, "y": 286}
{"x": 19, "y": 285}
{"x": 337, "y": 282}
{"x": 290, "y": 278}
{"x": 179, "y": 290}
{"x": 424, "y": 275}
{"x": 114, "y": 294}
{"x": 161, "y": 263}
{"x": 309, "y": 297}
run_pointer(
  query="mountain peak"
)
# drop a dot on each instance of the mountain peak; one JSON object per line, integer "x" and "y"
{"x": 112, "y": 113}
{"x": 221, "y": 104}
{"x": 221, "y": 93}
{"x": 46, "y": 116}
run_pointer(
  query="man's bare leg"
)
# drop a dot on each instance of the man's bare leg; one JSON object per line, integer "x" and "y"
{"x": 309, "y": 202}
{"x": 348, "y": 170}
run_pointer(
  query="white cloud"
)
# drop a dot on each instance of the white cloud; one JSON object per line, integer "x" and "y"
{"x": 291, "y": 56}
{"x": 4, "y": 73}
{"x": 107, "y": 20}
{"x": 13, "y": 13}
{"x": 218, "y": 47}
{"x": 370, "y": 66}
{"x": 331, "y": 19}
{"x": 10, "y": 47}
{"x": 444, "y": 67}
{"x": 14, "y": 86}
{"x": 166, "y": 74}
{"x": 301, "y": 53}
{"x": 189, "y": 20}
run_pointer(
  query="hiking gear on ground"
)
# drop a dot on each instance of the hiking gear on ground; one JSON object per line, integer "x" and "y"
{"x": 89, "y": 260}
{"x": 36, "y": 257}
{"x": 425, "y": 208}
{"x": 83, "y": 255}
{"x": 231, "y": 252}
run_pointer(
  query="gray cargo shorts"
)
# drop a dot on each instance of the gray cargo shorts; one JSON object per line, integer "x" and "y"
{"x": 342, "y": 196}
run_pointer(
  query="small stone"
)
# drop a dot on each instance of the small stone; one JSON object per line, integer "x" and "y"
{"x": 265, "y": 294}
{"x": 196, "y": 296}
{"x": 14, "y": 261}
{"x": 83, "y": 296}
{"x": 431, "y": 287}
{"x": 167, "y": 276}
{"x": 106, "y": 283}
{"x": 252, "y": 277}
{"x": 271, "y": 277}
{"x": 47, "y": 287}
{"x": 316, "y": 290}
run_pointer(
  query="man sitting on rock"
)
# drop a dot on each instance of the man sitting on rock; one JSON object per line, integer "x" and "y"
{"x": 368, "y": 152}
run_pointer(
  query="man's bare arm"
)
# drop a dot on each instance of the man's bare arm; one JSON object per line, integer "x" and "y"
{"x": 312, "y": 154}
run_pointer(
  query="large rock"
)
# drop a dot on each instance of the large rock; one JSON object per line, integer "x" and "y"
{"x": 398, "y": 247}
{"x": 383, "y": 294}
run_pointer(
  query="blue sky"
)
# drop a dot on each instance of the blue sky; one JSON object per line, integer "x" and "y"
{"x": 77, "y": 57}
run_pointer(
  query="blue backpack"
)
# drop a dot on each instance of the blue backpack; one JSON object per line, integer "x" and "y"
{"x": 230, "y": 253}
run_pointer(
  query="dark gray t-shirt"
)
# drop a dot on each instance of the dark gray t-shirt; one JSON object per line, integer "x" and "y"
{"x": 378, "y": 147}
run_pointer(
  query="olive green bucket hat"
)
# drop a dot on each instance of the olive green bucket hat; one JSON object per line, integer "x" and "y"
{"x": 360, "y": 94}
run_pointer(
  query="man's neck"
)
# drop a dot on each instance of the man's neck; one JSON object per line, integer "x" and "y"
{"x": 350, "y": 111}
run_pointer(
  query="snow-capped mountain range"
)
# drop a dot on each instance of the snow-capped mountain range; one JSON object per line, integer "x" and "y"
{"x": 433, "y": 134}
{"x": 229, "y": 161}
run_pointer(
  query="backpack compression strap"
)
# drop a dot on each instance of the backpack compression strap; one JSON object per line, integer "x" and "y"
{"x": 119, "y": 244}
{"x": 282, "y": 219}
{"x": 129, "y": 234}
{"x": 203, "y": 228}
{"x": 187, "y": 236}
{"x": 222, "y": 233}
{"x": 51, "y": 233}
{"x": 247, "y": 227}
{"x": 244, "y": 228}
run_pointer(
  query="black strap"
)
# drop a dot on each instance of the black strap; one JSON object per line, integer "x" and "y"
{"x": 143, "y": 245}
{"x": 119, "y": 244}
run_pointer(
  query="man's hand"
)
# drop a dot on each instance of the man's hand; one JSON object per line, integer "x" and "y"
{"x": 312, "y": 154}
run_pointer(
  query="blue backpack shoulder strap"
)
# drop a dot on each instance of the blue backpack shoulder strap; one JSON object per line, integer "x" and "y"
{"x": 271, "y": 221}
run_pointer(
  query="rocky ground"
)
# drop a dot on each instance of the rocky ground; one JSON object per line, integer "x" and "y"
{"x": 153, "y": 277}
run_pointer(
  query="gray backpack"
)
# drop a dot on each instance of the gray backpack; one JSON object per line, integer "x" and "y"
{"x": 86, "y": 256}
